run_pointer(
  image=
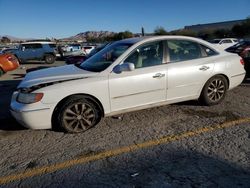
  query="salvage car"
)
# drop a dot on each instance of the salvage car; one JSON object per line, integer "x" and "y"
{"x": 83, "y": 57}
{"x": 8, "y": 62}
{"x": 128, "y": 75}
{"x": 36, "y": 50}
{"x": 224, "y": 43}
{"x": 242, "y": 49}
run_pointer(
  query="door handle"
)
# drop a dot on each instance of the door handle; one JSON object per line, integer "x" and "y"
{"x": 204, "y": 68}
{"x": 158, "y": 75}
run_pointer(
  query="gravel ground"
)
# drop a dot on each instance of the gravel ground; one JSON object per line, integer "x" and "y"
{"x": 220, "y": 158}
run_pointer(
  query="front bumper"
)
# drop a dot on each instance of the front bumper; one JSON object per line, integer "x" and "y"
{"x": 33, "y": 116}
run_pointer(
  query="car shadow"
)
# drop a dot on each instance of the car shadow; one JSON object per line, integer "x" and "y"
{"x": 10, "y": 124}
{"x": 159, "y": 166}
{"x": 38, "y": 68}
{"x": 7, "y": 87}
{"x": 18, "y": 76}
{"x": 32, "y": 63}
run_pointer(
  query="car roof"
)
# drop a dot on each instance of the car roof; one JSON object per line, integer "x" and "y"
{"x": 163, "y": 37}
{"x": 40, "y": 42}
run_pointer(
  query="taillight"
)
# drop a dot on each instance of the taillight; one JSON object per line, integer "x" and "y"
{"x": 242, "y": 61}
{"x": 10, "y": 58}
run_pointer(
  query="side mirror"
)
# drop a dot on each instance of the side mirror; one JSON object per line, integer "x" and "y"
{"x": 124, "y": 67}
{"x": 23, "y": 48}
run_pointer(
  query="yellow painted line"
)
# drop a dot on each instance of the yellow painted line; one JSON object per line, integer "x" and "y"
{"x": 115, "y": 152}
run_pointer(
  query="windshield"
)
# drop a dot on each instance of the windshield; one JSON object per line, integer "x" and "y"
{"x": 105, "y": 57}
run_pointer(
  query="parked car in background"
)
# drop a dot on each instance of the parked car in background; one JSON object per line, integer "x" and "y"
{"x": 6, "y": 49}
{"x": 88, "y": 49}
{"x": 242, "y": 49}
{"x": 8, "y": 62}
{"x": 224, "y": 43}
{"x": 127, "y": 75}
{"x": 36, "y": 51}
{"x": 83, "y": 57}
{"x": 71, "y": 50}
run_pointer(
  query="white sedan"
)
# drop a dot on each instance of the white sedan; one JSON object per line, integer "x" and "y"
{"x": 127, "y": 75}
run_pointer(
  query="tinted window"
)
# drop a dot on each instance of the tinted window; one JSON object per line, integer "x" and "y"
{"x": 150, "y": 54}
{"x": 52, "y": 45}
{"x": 87, "y": 48}
{"x": 226, "y": 41}
{"x": 36, "y": 46}
{"x": 182, "y": 50}
{"x": 32, "y": 46}
{"x": 28, "y": 46}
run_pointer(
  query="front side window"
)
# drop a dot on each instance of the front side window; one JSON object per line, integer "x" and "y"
{"x": 147, "y": 55}
{"x": 183, "y": 50}
{"x": 105, "y": 57}
{"x": 27, "y": 46}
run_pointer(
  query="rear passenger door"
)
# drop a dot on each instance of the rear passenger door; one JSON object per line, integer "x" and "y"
{"x": 189, "y": 66}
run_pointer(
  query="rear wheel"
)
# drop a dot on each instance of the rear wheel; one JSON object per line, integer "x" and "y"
{"x": 49, "y": 58}
{"x": 214, "y": 90}
{"x": 78, "y": 114}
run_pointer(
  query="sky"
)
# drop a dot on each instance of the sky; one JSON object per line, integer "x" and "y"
{"x": 65, "y": 18}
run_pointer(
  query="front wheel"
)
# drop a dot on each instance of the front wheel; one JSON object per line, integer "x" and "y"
{"x": 214, "y": 90}
{"x": 49, "y": 58}
{"x": 78, "y": 114}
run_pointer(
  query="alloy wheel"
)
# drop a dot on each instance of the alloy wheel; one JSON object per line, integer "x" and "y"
{"x": 216, "y": 90}
{"x": 79, "y": 117}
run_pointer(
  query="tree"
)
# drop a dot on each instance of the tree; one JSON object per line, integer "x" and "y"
{"x": 123, "y": 35}
{"x": 242, "y": 30}
{"x": 160, "y": 31}
{"x": 222, "y": 33}
{"x": 184, "y": 32}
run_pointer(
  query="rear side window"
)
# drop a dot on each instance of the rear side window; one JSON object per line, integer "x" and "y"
{"x": 183, "y": 50}
{"x": 206, "y": 51}
{"x": 37, "y": 46}
{"x": 87, "y": 47}
{"x": 226, "y": 41}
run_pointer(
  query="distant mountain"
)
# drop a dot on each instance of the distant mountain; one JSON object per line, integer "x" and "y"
{"x": 90, "y": 34}
{"x": 15, "y": 38}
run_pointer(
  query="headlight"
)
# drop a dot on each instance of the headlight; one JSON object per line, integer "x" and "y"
{"x": 28, "y": 98}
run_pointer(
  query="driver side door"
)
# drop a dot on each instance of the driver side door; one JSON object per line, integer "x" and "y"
{"x": 143, "y": 86}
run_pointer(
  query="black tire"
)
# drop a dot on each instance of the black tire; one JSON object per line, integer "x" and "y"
{"x": 19, "y": 60}
{"x": 78, "y": 114}
{"x": 214, "y": 90}
{"x": 49, "y": 58}
{"x": 1, "y": 72}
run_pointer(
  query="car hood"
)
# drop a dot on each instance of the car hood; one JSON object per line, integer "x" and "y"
{"x": 55, "y": 74}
